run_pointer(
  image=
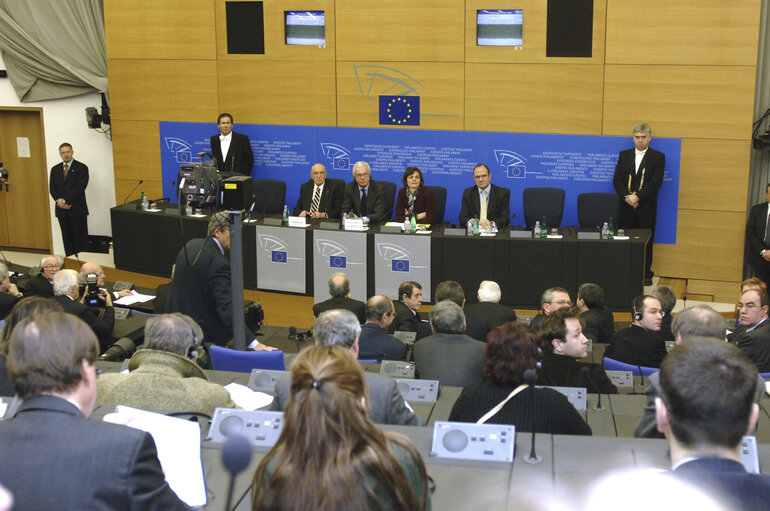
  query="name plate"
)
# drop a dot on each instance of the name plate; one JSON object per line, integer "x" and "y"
{"x": 354, "y": 225}
{"x": 297, "y": 221}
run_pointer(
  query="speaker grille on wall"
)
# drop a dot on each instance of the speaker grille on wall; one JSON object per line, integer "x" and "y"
{"x": 245, "y": 28}
{"x": 570, "y": 28}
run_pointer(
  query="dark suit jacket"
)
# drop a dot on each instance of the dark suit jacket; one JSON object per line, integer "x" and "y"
{"x": 38, "y": 286}
{"x": 424, "y": 203}
{"x": 599, "y": 324}
{"x": 756, "y": 344}
{"x": 563, "y": 371}
{"x": 349, "y": 304}
{"x": 72, "y": 189}
{"x": 374, "y": 343}
{"x": 729, "y": 480}
{"x": 202, "y": 290}
{"x": 452, "y": 359}
{"x": 6, "y": 304}
{"x": 755, "y": 237}
{"x": 474, "y": 328}
{"x": 54, "y": 458}
{"x": 102, "y": 327}
{"x": 239, "y": 159}
{"x": 330, "y": 203}
{"x": 386, "y": 404}
{"x": 652, "y": 169}
{"x": 491, "y": 314}
{"x": 376, "y": 206}
{"x": 406, "y": 320}
{"x": 498, "y": 205}
{"x": 635, "y": 345}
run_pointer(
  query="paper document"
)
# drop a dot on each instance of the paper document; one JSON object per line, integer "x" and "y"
{"x": 134, "y": 298}
{"x": 247, "y": 398}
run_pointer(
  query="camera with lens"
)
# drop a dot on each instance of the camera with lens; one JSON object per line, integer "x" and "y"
{"x": 92, "y": 292}
{"x": 3, "y": 172}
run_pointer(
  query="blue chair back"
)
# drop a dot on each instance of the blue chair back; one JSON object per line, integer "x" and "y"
{"x": 596, "y": 208}
{"x": 765, "y": 375}
{"x": 390, "y": 198}
{"x": 225, "y": 359}
{"x": 610, "y": 364}
{"x": 543, "y": 202}
{"x": 269, "y": 196}
{"x": 439, "y": 196}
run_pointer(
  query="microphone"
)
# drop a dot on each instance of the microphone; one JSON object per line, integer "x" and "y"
{"x": 132, "y": 191}
{"x": 587, "y": 373}
{"x": 293, "y": 335}
{"x": 633, "y": 357}
{"x": 236, "y": 456}
{"x": 529, "y": 379}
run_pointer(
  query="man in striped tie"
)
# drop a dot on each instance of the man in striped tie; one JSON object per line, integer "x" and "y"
{"x": 319, "y": 198}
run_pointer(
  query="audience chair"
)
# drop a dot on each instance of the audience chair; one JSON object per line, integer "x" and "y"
{"x": 610, "y": 364}
{"x": 269, "y": 196}
{"x": 390, "y": 199}
{"x": 596, "y": 208}
{"x": 225, "y": 359}
{"x": 543, "y": 202}
{"x": 439, "y": 196}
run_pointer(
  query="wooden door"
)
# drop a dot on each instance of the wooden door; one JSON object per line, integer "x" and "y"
{"x": 24, "y": 202}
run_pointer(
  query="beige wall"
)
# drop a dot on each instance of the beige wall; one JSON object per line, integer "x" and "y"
{"x": 688, "y": 68}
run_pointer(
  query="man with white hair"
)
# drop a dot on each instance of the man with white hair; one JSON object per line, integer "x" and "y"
{"x": 42, "y": 284}
{"x": 488, "y": 309}
{"x": 97, "y": 270}
{"x": 364, "y": 197}
{"x": 9, "y": 293}
{"x": 67, "y": 293}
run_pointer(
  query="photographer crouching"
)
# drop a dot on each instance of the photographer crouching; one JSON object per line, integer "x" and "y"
{"x": 94, "y": 306}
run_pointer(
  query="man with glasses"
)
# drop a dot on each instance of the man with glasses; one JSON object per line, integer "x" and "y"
{"x": 639, "y": 344}
{"x": 374, "y": 343}
{"x": 42, "y": 284}
{"x": 553, "y": 299}
{"x": 364, "y": 197}
{"x": 753, "y": 336}
{"x": 494, "y": 209}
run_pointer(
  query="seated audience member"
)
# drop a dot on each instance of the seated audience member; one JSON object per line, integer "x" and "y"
{"x": 27, "y": 307}
{"x": 42, "y": 284}
{"x": 317, "y": 197}
{"x": 511, "y": 350}
{"x": 374, "y": 343}
{"x": 705, "y": 407}
{"x": 488, "y": 309}
{"x": 67, "y": 294}
{"x": 164, "y": 377}
{"x": 356, "y": 465}
{"x": 552, "y": 299}
{"x": 365, "y": 198}
{"x": 409, "y": 302}
{"x": 667, "y": 298}
{"x": 415, "y": 199}
{"x": 339, "y": 289}
{"x": 750, "y": 283}
{"x": 449, "y": 356}
{"x": 598, "y": 321}
{"x": 386, "y": 404}
{"x": 9, "y": 293}
{"x": 639, "y": 344}
{"x": 563, "y": 344}
{"x": 97, "y": 270}
{"x": 692, "y": 324}
{"x": 53, "y": 456}
{"x": 753, "y": 336}
{"x": 453, "y": 291}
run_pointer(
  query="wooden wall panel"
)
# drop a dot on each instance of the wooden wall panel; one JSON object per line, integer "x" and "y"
{"x": 123, "y": 189}
{"x": 439, "y": 85}
{"x": 714, "y": 174}
{"x": 136, "y": 149}
{"x": 535, "y": 25}
{"x": 723, "y": 292}
{"x": 148, "y": 29}
{"x": 278, "y": 92}
{"x": 683, "y": 32}
{"x": 275, "y": 34}
{"x": 534, "y": 98}
{"x": 709, "y": 246}
{"x": 680, "y": 101}
{"x": 169, "y": 90}
{"x": 400, "y": 30}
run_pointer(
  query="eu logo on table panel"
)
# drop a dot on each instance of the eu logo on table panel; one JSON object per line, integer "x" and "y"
{"x": 278, "y": 256}
{"x": 338, "y": 262}
{"x": 399, "y": 265}
{"x": 400, "y": 110}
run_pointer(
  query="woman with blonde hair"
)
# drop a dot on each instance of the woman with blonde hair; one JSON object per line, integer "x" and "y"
{"x": 330, "y": 456}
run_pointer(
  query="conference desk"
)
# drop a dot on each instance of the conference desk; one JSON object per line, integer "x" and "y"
{"x": 147, "y": 242}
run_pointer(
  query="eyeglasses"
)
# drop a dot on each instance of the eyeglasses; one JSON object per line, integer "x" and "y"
{"x": 748, "y": 306}
{"x": 359, "y": 175}
{"x": 655, "y": 312}
{"x": 562, "y": 302}
{"x": 52, "y": 266}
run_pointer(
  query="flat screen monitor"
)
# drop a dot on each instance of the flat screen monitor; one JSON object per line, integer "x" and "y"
{"x": 306, "y": 28}
{"x": 500, "y": 27}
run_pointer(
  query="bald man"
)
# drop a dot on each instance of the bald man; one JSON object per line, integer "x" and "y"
{"x": 319, "y": 198}
{"x": 97, "y": 270}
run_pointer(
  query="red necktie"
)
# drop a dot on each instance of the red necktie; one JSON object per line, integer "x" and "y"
{"x": 66, "y": 168}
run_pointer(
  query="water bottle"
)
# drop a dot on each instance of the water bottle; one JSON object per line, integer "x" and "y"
{"x": 536, "y": 232}
{"x": 543, "y": 228}
{"x": 188, "y": 209}
{"x": 407, "y": 225}
{"x": 476, "y": 230}
{"x": 413, "y": 225}
{"x": 611, "y": 229}
{"x": 285, "y": 214}
{"x": 469, "y": 227}
{"x": 145, "y": 202}
{"x": 605, "y": 231}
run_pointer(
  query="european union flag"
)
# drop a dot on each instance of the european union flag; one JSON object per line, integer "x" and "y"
{"x": 338, "y": 262}
{"x": 399, "y": 265}
{"x": 278, "y": 257}
{"x": 400, "y": 110}
{"x": 341, "y": 163}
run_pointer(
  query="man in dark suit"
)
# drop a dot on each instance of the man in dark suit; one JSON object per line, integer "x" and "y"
{"x": 639, "y": 344}
{"x": 9, "y": 293}
{"x": 488, "y": 309}
{"x": 638, "y": 176}
{"x": 410, "y": 300}
{"x": 364, "y": 197}
{"x": 598, "y": 321}
{"x": 453, "y": 291}
{"x": 758, "y": 238}
{"x": 67, "y": 294}
{"x": 201, "y": 286}
{"x": 231, "y": 150}
{"x": 67, "y": 185}
{"x": 497, "y": 201}
{"x": 449, "y": 356}
{"x": 386, "y": 404}
{"x": 84, "y": 464}
{"x": 42, "y": 284}
{"x": 753, "y": 336}
{"x": 374, "y": 343}
{"x": 339, "y": 289}
{"x": 552, "y": 299}
{"x": 705, "y": 407}
{"x": 319, "y": 198}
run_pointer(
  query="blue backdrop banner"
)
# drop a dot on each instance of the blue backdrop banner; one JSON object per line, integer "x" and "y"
{"x": 576, "y": 163}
